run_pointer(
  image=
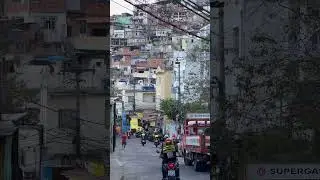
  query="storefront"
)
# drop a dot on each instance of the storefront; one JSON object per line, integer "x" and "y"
{"x": 283, "y": 171}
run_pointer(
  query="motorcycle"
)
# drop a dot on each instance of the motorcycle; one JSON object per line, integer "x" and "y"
{"x": 143, "y": 142}
{"x": 172, "y": 169}
{"x": 156, "y": 142}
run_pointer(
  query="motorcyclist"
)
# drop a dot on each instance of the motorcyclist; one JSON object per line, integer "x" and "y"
{"x": 156, "y": 137}
{"x": 166, "y": 136}
{"x": 168, "y": 153}
{"x": 143, "y": 135}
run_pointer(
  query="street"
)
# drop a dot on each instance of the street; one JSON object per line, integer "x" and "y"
{"x": 139, "y": 162}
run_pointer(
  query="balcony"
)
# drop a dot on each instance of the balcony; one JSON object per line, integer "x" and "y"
{"x": 91, "y": 43}
{"x": 145, "y": 75}
{"x": 51, "y": 36}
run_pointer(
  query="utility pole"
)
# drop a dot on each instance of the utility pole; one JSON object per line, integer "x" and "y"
{"x": 78, "y": 69}
{"x": 179, "y": 86}
{"x": 134, "y": 96}
{"x": 114, "y": 125}
{"x": 41, "y": 142}
{"x": 2, "y": 81}
{"x": 78, "y": 124}
{"x": 217, "y": 65}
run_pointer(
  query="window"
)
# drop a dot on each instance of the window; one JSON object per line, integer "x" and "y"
{"x": 154, "y": 98}
{"x": 83, "y": 28}
{"x": 67, "y": 118}
{"x": 236, "y": 41}
{"x": 99, "y": 32}
{"x": 131, "y": 99}
{"x": 69, "y": 31}
{"x": 98, "y": 64}
{"x": 148, "y": 98}
{"x": 49, "y": 22}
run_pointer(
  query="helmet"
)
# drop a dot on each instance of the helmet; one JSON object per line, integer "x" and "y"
{"x": 168, "y": 141}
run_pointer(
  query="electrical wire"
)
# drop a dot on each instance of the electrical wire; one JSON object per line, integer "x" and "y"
{"x": 198, "y": 6}
{"x": 192, "y": 10}
{"x": 171, "y": 24}
{"x": 55, "y": 110}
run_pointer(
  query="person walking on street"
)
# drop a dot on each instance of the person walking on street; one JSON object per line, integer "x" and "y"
{"x": 124, "y": 140}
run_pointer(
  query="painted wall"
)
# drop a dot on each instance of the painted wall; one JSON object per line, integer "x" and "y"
{"x": 92, "y": 108}
{"x": 163, "y": 87}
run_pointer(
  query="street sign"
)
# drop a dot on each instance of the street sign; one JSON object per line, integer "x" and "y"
{"x": 124, "y": 122}
{"x": 283, "y": 171}
{"x": 198, "y": 116}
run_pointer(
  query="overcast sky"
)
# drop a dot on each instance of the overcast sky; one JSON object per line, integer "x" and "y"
{"x": 118, "y": 9}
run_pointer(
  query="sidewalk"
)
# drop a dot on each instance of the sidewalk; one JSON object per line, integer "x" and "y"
{"x": 116, "y": 166}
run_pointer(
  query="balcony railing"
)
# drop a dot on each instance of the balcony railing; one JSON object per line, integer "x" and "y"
{"x": 91, "y": 43}
{"x": 52, "y": 36}
{"x": 143, "y": 75}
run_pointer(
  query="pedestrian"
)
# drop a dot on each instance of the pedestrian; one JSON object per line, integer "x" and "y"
{"x": 124, "y": 140}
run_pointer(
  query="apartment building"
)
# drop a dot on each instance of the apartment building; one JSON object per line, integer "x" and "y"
{"x": 144, "y": 71}
{"x": 163, "y": 86}
{"x": 143, "y": 97}
{"x": 121, "y": 29}
{"x": 52, "y": 30}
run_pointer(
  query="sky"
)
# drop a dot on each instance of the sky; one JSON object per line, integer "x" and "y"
{"x": 116, "y": 7}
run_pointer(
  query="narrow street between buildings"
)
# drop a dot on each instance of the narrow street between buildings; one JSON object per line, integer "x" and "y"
{"x": 138, "y": 162}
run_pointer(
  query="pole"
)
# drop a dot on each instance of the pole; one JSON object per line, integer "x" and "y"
{"x": 114, "y": 125}
{"x": 43, "y": 100}
{"x": 220, "y": 80}
{"x": 179, "y": 81}
{"x": 2, "y": 79}
{"x": 221, "y": 63}
{"x": 78, "y": 138}
{"x": 134, "y": 97}
{"x": 41, "y": 141}
{"x": 179, "y": 91}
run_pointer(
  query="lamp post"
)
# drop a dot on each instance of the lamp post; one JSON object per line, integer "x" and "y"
{"x": 179, "y": 85}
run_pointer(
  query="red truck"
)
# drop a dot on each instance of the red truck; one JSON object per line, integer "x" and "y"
{"x": 195, "y": 145}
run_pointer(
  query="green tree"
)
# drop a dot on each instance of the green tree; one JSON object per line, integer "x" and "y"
{"x": 170, "y": 108}
{"x": 195, "y": 107}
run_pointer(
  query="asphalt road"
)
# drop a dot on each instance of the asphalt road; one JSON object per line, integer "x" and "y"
{"x": 137, "y": 162}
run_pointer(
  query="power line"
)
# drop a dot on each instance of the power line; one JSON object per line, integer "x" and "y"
{"x": 192, "y": 10}
{"x": 198, "y": 6}
{"x": 55, "y": 110}
{"x": 156, "y": 17}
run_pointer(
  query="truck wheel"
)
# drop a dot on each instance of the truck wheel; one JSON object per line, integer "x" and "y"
{"x": 196, "y": 165}
{"x": 187, "y": 162}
